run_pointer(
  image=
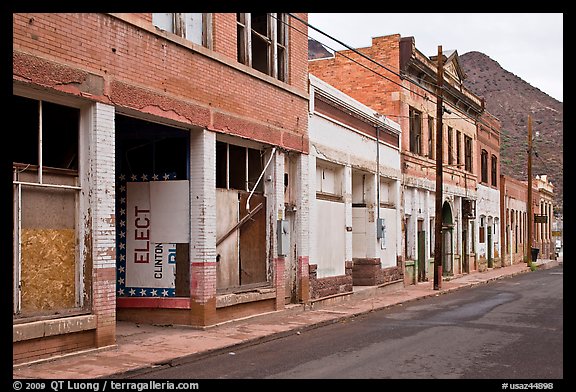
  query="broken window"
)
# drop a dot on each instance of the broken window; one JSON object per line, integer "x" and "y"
{"x": 238, "y": 167}
{"x": 262, "y": 42}
{"x": 47, "y": 267}
{"x": 240, "y": 217}
{"x": 194, "y": 27}
{"x": 415, "y": 131}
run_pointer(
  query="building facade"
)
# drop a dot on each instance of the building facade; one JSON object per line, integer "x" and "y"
{"x": 488, "y": 196}
{"x": 355, "y": 205}
{"x": 544, "y": 219}
{"x": 405, "y": 95}
{"x": 159, "y": 144}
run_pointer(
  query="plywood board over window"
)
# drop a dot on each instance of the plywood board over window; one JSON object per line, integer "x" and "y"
{"x": 48, "y": 277}
{"x": 48, "y": 250}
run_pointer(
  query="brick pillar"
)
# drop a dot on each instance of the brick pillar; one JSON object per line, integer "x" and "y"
{"x": 101, "y": 160}
{"x": 274, "y": 192}
{"x": 202, "y": 227}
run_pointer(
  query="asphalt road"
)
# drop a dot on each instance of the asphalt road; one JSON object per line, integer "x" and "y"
{"x": 506, "y": 329}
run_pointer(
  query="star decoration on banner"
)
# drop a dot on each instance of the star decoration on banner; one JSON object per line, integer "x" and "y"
{"x": 121, "y": 212}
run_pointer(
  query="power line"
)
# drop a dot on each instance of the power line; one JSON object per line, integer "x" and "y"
{"x": 404, "y": 77}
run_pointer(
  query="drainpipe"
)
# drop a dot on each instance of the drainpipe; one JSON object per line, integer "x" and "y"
{"x": 377, "y": 177}
{"x": 259, "y": 178}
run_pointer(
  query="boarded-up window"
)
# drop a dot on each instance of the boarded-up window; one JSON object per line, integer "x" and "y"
{"x": 194, "y": 27}
{"x": 46, "y": 191}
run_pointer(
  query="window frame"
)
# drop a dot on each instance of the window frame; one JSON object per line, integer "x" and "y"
{"x": 178, "y": 27}
{"x": 431, "y": 146}
{"x": 484, "y": 166}
{"x": 415, "y": 130}
{"x": 80, "y": 302}
{"x": 468, "y": 166}
{"x": 276, "y": 41}
{"x": 450, "y": 145}
{"x": 494, "y": 170}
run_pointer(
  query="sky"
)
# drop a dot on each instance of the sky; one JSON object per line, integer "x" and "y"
{"x": 529, "y": 45}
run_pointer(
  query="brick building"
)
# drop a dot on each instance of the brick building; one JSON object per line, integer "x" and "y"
{"x": 543, "y": 239}
{"x": 403, "y": 88}
{"x": 157, "y": 146}
{"x": 488, "y": 192}
{"x": 355, "y": 209}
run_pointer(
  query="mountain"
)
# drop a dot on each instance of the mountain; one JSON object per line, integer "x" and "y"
{"x": 511, "y": 100}
{"x": 316, "y": 50}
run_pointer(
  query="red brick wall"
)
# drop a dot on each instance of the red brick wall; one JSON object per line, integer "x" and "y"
{"x": 360, "y": 83}
{"x": 104, "y": 305}
{"x": 35, "y": 349}
{"x": 489, "y": 140}
{"x": 113, "y": 60}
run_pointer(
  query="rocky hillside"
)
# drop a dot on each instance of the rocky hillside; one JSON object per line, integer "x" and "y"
{"x": 512, "y": 99}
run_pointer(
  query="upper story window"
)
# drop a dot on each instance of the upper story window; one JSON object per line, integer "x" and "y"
{"x": 262, "y": 42}
{"x": 494, "y": 170}
{"x": 194, "y": 27}
{"x": 468, "y": 153}
{"x": 450, "y": 146}
{"x": 484, "y": 166}
{"x": 431, "y": 145}
{"x": 458, "y": 147}
{"x": 415, "y": 131}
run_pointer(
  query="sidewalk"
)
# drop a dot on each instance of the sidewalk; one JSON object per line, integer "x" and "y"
{"x": 141, "y": 347}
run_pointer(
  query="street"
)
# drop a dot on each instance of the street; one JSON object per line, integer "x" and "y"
{"x": 510, "y": 328}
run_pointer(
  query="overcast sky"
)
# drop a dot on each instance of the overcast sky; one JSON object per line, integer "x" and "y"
{"x": 529, "y": 45}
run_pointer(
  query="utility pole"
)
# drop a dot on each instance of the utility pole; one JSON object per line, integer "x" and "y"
{"x": 529, "y": 207}
{"x": 438, "y": 193}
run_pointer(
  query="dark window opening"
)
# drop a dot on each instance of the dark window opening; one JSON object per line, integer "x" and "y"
{"x": 59, "y": 134}
{"x": 484, "y": 166}
{"x": 468, "y": 153}
{"x": 238, "y": 167}
{"x": 415, "y": 131}
{"x": 147, "y": 148}
{"x": 450, "y": 146}
{"x": 494, "y": 170}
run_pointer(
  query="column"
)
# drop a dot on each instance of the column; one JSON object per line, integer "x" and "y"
{"x": 202, "y": 227}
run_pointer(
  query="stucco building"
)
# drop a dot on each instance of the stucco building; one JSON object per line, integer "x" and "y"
{"x": 400, "y": 82}
{"x": 488, "y": 192}
{"x": 355, "y": 205}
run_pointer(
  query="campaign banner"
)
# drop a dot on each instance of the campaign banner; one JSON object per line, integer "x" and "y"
{"x": 153, "y": 218}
